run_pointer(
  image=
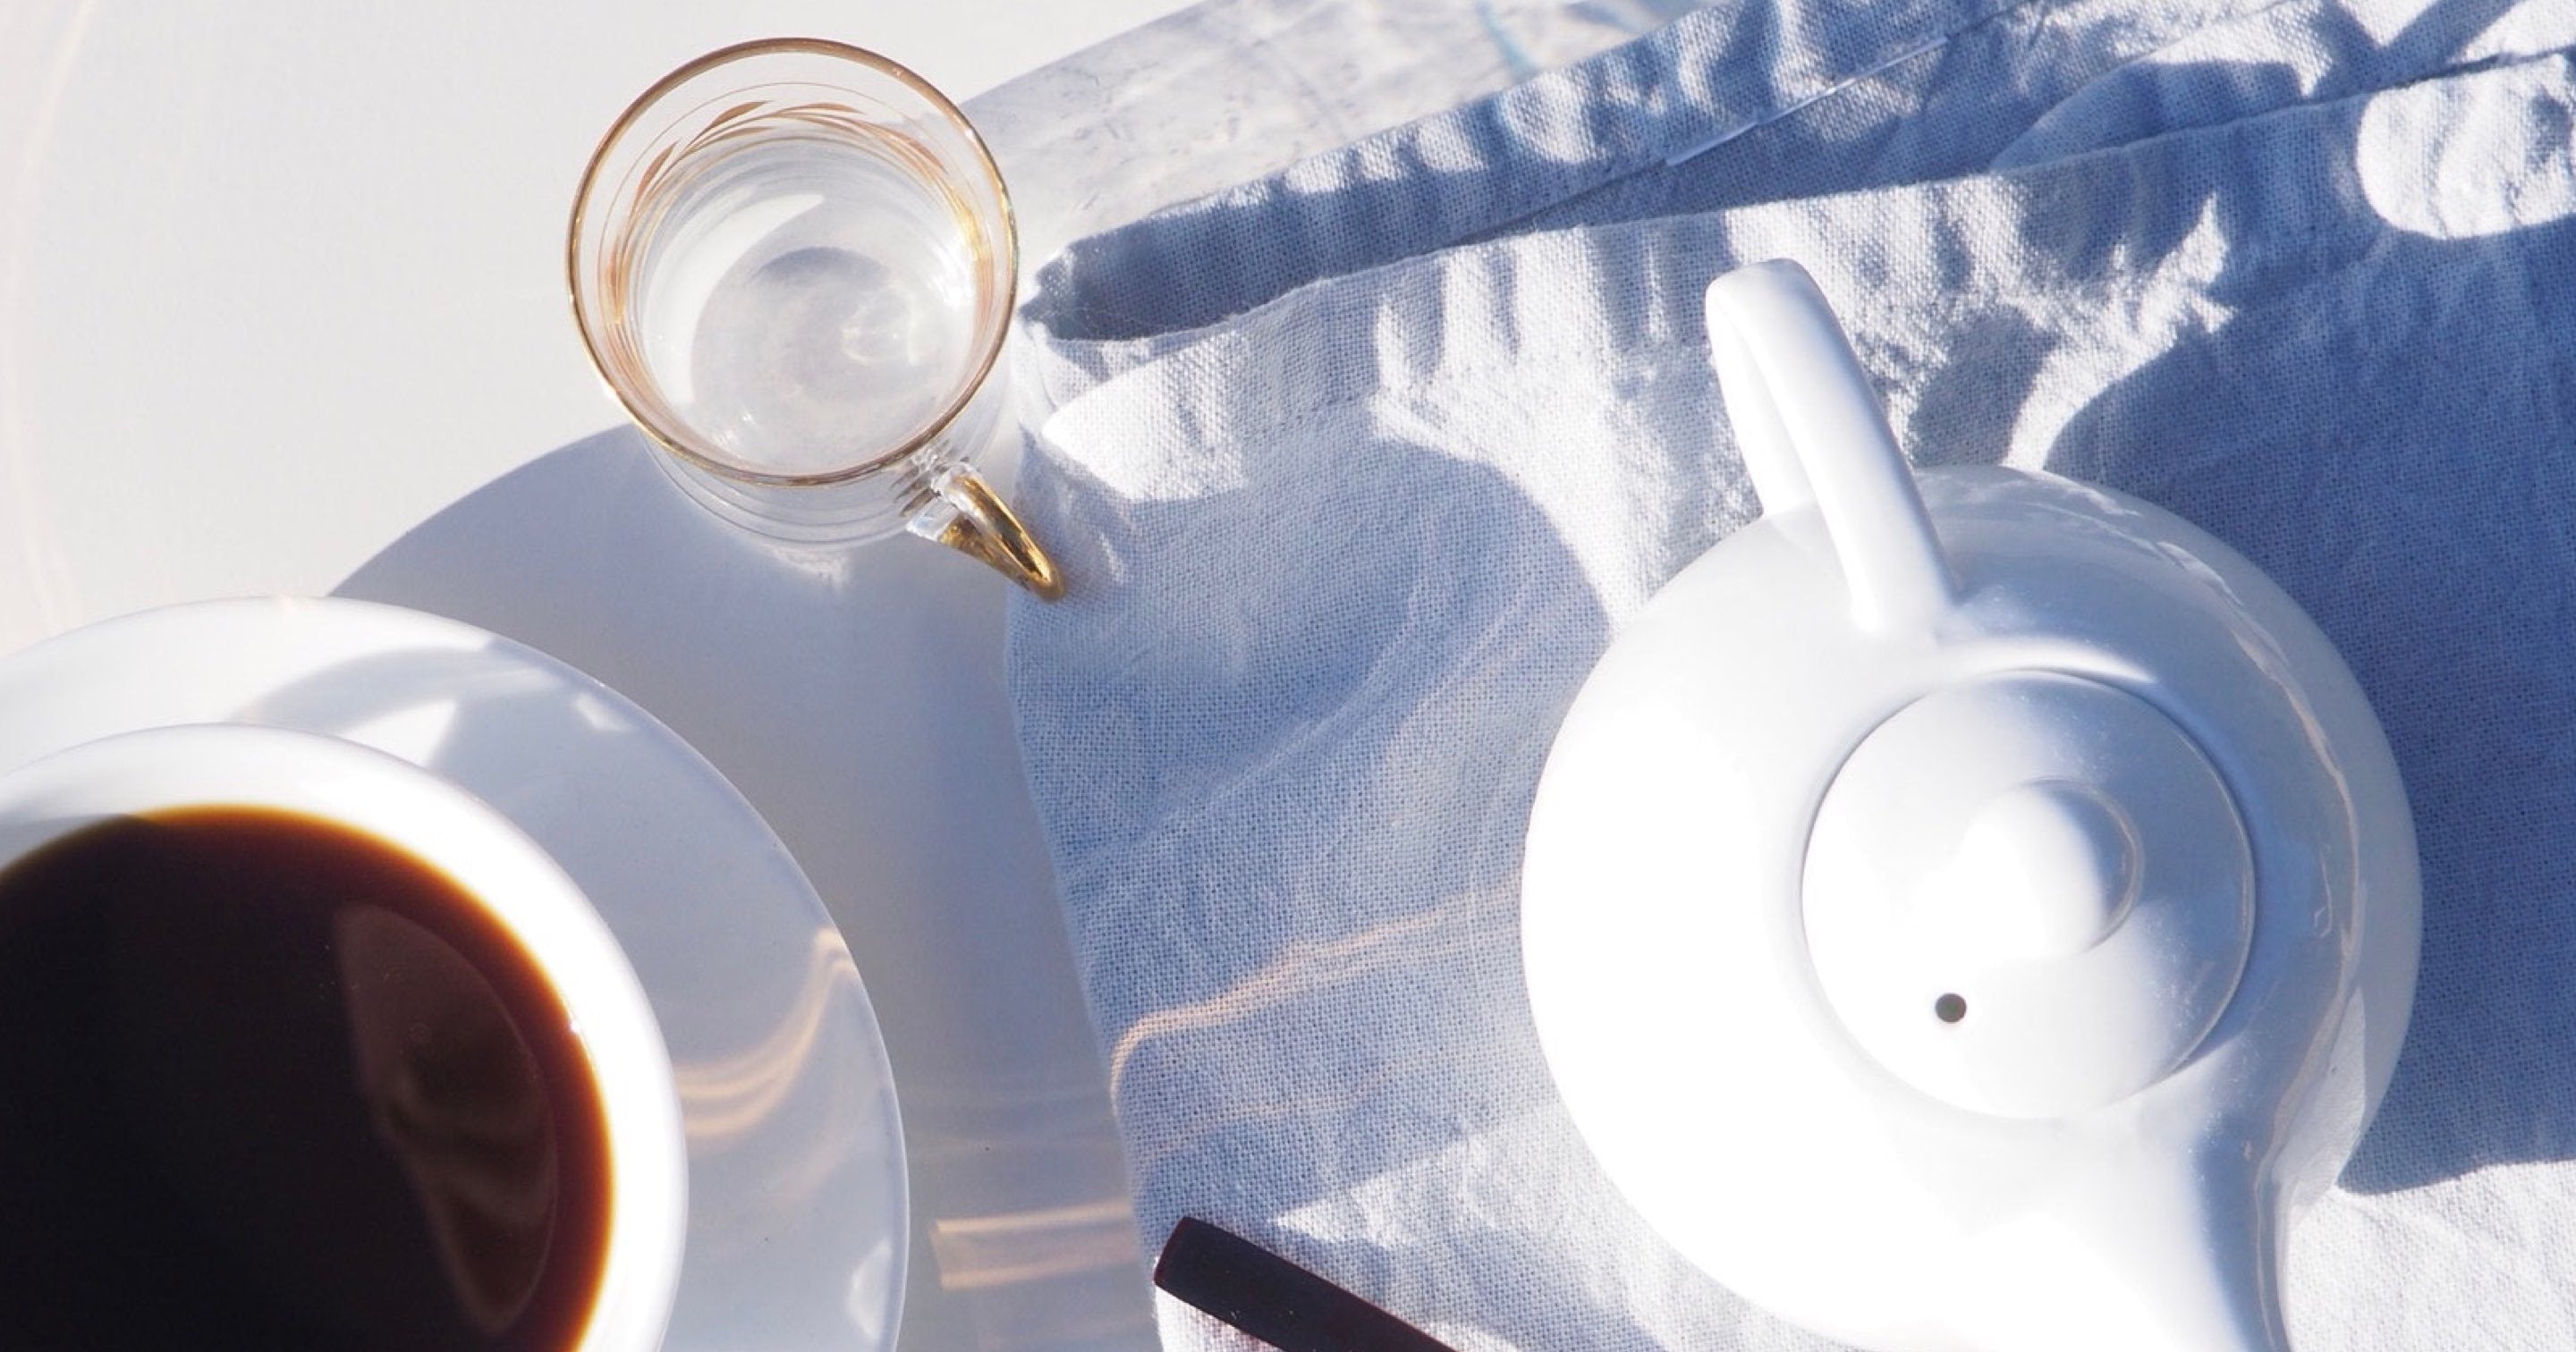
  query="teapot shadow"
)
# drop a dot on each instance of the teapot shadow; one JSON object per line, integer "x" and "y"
{"x": 2428, "y": 553}
{"x": 1291, "y": 777}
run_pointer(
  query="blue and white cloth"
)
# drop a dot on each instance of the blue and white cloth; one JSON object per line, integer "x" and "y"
{"x": 1356, "y": 469}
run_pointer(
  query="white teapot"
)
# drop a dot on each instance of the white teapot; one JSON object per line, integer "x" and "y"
{"x": 1966, "y": 912}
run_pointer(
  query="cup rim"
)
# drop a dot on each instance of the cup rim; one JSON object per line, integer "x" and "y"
{"x": 677, "y": 440}
{"x": 640, "y": 1115}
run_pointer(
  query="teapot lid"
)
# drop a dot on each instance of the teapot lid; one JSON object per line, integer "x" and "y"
{"x": 2028, "y": 894}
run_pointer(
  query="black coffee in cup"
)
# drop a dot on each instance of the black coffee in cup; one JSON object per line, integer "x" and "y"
{"x": 269, "y": 1082}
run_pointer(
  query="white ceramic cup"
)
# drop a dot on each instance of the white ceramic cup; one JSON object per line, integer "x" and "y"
{"x": 415, "y": 811}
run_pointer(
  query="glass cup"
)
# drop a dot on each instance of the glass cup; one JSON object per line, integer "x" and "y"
{"x": 793, "y": 261}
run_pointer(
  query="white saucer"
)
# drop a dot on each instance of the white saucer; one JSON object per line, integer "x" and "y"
{"x": 797, "y": 1205}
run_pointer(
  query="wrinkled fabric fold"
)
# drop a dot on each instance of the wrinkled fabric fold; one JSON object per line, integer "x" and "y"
{"x": 1354, "y": 471}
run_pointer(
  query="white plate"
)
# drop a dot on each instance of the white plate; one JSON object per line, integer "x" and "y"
{"x": 797, "y": 1224}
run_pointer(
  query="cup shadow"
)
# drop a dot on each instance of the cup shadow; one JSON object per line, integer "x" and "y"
{"x": 856, "y": 702}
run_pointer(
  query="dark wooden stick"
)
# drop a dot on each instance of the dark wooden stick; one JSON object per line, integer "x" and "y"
{"x": 1275, "y": 1300}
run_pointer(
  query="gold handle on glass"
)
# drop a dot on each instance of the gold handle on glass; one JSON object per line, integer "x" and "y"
{"x": 986, "y": 528}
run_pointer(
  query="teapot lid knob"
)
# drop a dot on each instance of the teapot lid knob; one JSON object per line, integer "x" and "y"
{"x": 2045, "y": 869}
{"x": 2028, "y": 894}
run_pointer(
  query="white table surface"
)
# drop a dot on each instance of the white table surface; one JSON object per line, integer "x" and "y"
{"x": 282, "y": 311}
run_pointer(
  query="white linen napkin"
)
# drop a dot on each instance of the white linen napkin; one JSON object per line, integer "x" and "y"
{"x": 1355, "y": 469}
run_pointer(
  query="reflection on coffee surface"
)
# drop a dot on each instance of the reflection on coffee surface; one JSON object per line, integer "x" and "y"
{"x": 268, "y": 1082}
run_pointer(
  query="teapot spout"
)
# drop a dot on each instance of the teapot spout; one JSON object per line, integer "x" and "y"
{"x": 1811, "y": 433}
{"x": 2145, "y": 1264}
